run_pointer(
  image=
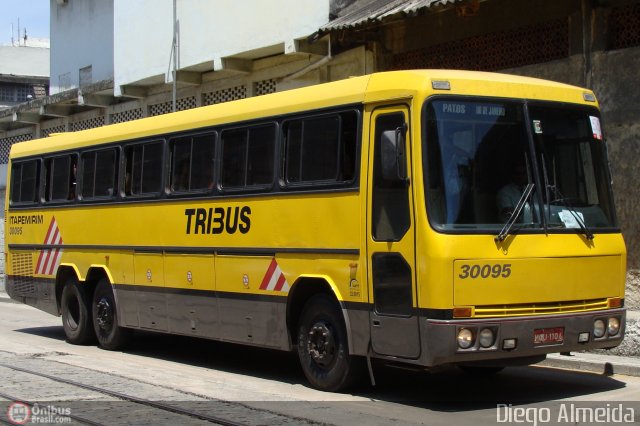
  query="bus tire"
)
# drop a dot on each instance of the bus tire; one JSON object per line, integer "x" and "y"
{"x": 105, "y": 318}
{"x": 322, "y": 346}
{"x": 76, "y": 317}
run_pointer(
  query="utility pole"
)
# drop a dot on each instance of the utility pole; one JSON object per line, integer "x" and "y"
{"x": 175, "y": 55}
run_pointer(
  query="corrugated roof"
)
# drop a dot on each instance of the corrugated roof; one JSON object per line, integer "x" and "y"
{"x": 370, "y": 11}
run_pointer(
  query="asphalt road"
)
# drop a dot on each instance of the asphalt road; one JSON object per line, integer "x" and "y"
{"x": 175, "y": 368}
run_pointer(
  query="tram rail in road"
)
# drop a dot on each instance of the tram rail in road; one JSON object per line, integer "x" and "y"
{"x": 193, "y": 411}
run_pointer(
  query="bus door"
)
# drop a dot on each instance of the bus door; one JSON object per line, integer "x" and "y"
{"x": 391, "y": 237}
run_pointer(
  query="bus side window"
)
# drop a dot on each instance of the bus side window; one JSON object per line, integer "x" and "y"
{"x": 321, "y": 149}
{"x": 60, "y": 178}
{"x": 248, "y": 157}
{"x": 143, "y": 168}
{"x": 234, "y": 148}
{"x": 391, "y": 213}
{"x": 260, "y": 155}
{"x": 99, "y": 173}
{"x": 24, "y": 181}
{"x": 192, "y": 163}
{"x": 348, "y": 146}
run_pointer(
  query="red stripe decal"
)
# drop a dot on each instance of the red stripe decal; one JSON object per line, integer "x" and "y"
{"x": 280, "y": 283}
{"x": 269, "y": 274}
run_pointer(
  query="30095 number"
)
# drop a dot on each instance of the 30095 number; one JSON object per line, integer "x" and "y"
{"x": 485, "y": 271}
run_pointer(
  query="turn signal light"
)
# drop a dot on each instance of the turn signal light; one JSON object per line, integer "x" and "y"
{"x": 616, "y": 302}
{"x": 461, "y": 312}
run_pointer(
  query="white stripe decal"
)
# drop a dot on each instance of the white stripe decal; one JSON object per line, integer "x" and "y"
{"x": 49, "y": 259}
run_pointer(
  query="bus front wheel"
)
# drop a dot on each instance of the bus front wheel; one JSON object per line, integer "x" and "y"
{"x": 322, "y": 346}
{"x": 76, "y": 317}
{"x": 105, "y": 318}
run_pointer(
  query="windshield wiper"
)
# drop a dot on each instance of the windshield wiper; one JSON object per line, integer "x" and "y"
{"x": 516, "y": 213}
{"x": 566, "y": 203}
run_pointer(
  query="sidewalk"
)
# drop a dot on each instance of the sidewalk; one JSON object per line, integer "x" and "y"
{"x": 581, "y": 361}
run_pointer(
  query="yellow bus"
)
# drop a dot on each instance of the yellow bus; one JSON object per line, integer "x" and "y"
{"x": 419, "y": 217}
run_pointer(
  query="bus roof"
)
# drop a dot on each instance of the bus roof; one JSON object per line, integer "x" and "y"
{"x": 371, "y": 88}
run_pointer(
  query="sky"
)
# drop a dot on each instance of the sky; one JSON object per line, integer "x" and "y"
{"x": 33, "y": 15}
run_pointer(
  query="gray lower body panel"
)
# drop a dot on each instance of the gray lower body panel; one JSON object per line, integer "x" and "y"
{"x": 37, "y": 292}
{"x": 252, "y": 320}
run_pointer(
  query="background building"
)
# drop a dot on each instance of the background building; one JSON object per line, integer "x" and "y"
{"x": 114, "y": 60}
{"x": 24, "y": 74}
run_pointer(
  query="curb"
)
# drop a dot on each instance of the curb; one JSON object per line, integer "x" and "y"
{"x": 594, "y": 363}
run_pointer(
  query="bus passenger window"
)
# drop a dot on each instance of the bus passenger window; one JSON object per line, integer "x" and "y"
{"x": 260, "y": 155}
{"x": 248, "y": 157}
{"x": 143, "y": 168}
{"x": 24, "y": 181}
{"x": 321, "y": 149}
{"x": 348, "y": 146}
{"x": 60, "y": 178}
{"x": 99, "y": 173}
{"x": 312, "y": 150}
{"x": 192, "y": 163}
{"x": 234, "y": 147}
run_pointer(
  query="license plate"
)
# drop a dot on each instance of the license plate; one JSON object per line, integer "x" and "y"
{"x": 547, "y": 336}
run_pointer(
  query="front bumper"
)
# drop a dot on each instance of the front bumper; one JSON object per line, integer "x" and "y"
{"x": 440, "y": 346}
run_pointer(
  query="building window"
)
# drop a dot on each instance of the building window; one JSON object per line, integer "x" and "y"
{"x": 86, "y": 76}
{"x": 7, "y": 94}
{"x": 16, "y": 93}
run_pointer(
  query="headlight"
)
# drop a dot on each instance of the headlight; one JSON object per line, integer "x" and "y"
{"x": 465, "y": 338}
{"x": 598, "y": 328}
{"x": 486, "y": 338}
{"x": 613, "y": 326}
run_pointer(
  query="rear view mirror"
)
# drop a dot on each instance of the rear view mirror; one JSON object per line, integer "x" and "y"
{"x": 394, "y": 163}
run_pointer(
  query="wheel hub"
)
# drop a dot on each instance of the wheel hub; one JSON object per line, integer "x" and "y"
{"x": 104, "y": 315}
{"x": 321, "y": 344}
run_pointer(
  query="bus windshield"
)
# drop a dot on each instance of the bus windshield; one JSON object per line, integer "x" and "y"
{"x": 481, "y": 156}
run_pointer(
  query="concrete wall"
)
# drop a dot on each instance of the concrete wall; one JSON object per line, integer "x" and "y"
{"x": 615, "y": 81}
{"x": 81, "y": 36}
{"x": 208, "y": 32}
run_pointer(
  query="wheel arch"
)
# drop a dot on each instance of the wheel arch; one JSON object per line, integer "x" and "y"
{"x": 64, "y": 273}
{"x": 303, "y": 289}
{"x": 69, "y": 270}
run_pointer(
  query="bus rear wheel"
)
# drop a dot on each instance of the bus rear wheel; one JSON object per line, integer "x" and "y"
{"x": 76, "y": 317}
{"x": 322, "y": 346}
{"x": 105, "y": 318}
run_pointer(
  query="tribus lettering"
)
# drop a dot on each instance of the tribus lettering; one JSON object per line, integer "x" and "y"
{"x": 218, "y": 220}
